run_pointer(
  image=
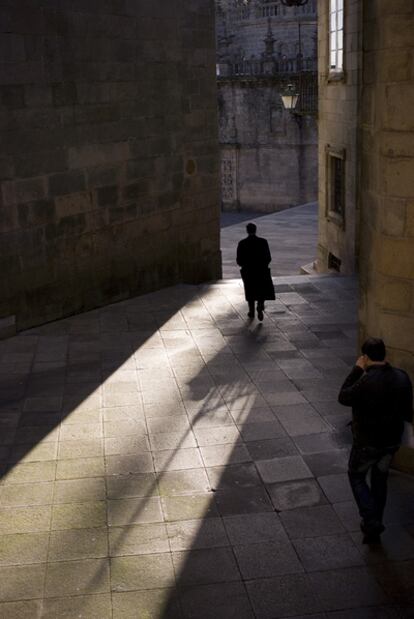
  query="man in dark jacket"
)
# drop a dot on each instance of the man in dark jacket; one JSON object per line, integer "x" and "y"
{"x": 253, "y": 256}
{"x": 381, "y": 397}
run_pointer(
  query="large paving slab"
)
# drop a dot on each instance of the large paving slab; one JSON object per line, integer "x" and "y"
{"x": 163, "y": 458}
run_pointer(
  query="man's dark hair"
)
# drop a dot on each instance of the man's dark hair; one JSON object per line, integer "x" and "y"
{"x": 251, "y": 228}
{"x": 374, "y": 348}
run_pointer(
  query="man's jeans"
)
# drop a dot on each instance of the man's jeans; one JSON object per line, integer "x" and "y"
{"x": 370, "y": 499}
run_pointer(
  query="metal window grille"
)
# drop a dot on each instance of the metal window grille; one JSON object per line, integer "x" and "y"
{"x": 337, "y": 189}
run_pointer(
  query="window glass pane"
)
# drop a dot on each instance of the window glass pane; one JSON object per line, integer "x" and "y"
{"x": 336, "y": 32}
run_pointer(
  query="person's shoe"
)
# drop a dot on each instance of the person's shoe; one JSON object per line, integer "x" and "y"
{"x": 251, "y": 315}
{"x": 260, "y": 314}
{"x": 372, "y": 530}
{"x": 371, "y": 538}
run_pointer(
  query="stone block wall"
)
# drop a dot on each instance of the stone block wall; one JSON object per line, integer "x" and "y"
{"x": 387, "y": 182}
{"x": 269, "y": 156}
{"x": 109, "y": 155}
{"x": 338, "y": 132}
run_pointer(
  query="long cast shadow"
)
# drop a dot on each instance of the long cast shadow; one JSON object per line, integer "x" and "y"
{"x": 219, "y": 568}
{"x": 204, "y": 411}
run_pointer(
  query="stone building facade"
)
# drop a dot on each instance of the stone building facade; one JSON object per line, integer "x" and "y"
{"x": 373, "y": 132}
{"x": 268, "y": 154}
{"x": 339, "y": 101}
{"x": 109, "y": 150}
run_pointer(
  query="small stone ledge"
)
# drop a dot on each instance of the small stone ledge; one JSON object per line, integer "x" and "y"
{"x": 308, "y": 269}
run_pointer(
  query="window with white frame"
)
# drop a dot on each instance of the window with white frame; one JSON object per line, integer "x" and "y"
{"x": 336, "y": 35}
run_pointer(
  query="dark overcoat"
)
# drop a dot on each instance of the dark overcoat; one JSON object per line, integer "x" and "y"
{"x": 253, "y": 258}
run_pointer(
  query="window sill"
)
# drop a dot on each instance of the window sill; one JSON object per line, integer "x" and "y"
{"x": 336, "y": 76}
{"x": 336, "y": 219}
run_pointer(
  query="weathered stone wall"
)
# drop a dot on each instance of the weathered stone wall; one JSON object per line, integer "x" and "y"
{"x": 387, "y": 182}
{"x": 269, "y": 156}
{"x": 337, "y": 127}
{"x": 109, "y": 152}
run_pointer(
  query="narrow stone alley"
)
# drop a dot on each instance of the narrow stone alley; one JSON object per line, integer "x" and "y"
{"x": 163, "y": 458}
{"x": 295, "y": 227}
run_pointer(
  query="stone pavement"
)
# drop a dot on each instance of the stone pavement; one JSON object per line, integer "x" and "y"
{"x": 165, "y": 459}
{"x": 292, "y": 236}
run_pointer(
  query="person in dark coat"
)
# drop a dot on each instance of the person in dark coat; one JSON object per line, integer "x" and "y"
{"x": 381, "y": 397}
{"x": 253, "y": 258}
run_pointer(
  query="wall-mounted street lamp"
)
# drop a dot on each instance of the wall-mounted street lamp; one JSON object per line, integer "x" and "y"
{"x": 290, "y": 96}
